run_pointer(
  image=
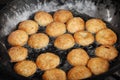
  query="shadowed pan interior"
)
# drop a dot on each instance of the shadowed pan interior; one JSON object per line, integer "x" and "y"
{"x": 17, "y": 11}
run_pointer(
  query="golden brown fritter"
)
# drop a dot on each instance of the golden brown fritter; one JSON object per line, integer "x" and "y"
{"x": 77, "y": 57}
{"x": 98, "y": 65}
{"x": 95, "y": 25}
{"x": 75, "y": 24}
{"x": 38, "y": 40}
{"x": 106, "y": 37}
{"x": 17, "y": 53}
{"x": 64, "y": 41}
{"x": 43, "y": 18}
{"x": 62, "y": 15}
{"x": 25, "y": 68}
{"x": 18, "y": 38}
{"x": 54, "y": 74}
{"x": 47, "y": 61}
{"x": 28, "y": 26}
{"x": 79, "y": 72}
{"x": 107, "y": 52}
{"x": 55, "y": 29}
{"x": 84, "y": 38}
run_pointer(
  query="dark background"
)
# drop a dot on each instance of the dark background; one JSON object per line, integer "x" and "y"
{"x": 4, "y": 76}
{"x": 3, "y": 3}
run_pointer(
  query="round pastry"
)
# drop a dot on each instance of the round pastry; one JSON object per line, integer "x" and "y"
{"x": 75, "y": 24}
{"x": 47, "y": 61}
{"x": 18, "y": 38}
{"x": 25, "y": 68}
{"x": 64, "y": 42}
{"x": 106, "y": 52}
{"x": 17, "y": 53}
{"x": 84, "y": 38}
{"x": 43, "y": 18}
{"x": 38, "y": 41}
{"x": 98, "y": 65}
{"x": 62, "y": 15}
{"x": 28, "y": 26}
{"x": 95, "y": 25}
{"x": 55, "y": 29}
{"x": 77, "y": 57}
{"x": 54, "y": 74}
{"x": 79, "y": 72}
{"x": 106, "y": 37}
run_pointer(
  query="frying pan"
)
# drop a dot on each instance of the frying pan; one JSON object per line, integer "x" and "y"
{"x": 19, "y": 10}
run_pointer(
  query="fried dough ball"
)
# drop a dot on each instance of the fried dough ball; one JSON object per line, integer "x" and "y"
{"x": 62, "y": 15}
{"x": 25, "y": 68}
{"x": 106, "y": 52}
{"x": 95, "y": 25}
{"x": 54, "y": 74}
{"x": 28, "y": 26}
{"x": 55, "y": 29}
{"x": 98, "y": 65}
{"x": 18, "y": 38}
{"x": 75, "y": 24}
{"x": 43, "y": 18}
{"x": 64, "y": 41}
{"x": 77, "y": 57}
{"x": 38, "y": 41}
{"x": 47, "y": 61}
{"x": 17, "y": 53}
{"x": 84, "y": 38}
{"x": 79, "y": 72}
{"x": 106, "y": 37}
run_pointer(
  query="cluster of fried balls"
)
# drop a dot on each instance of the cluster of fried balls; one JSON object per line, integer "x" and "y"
{"x": 67, "y": 31}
